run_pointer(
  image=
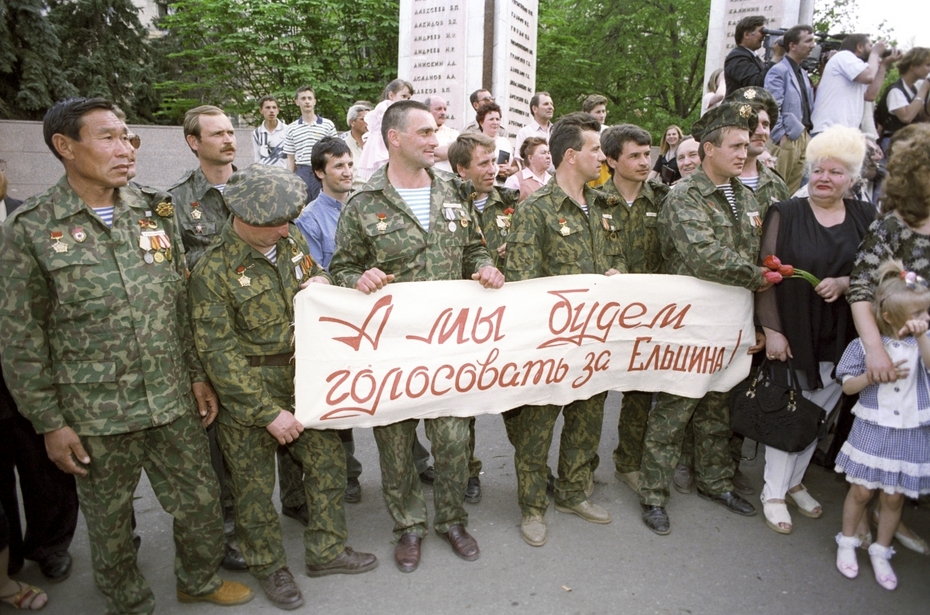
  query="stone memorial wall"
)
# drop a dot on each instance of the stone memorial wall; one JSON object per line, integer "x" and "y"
{"x": 451, "y": 48}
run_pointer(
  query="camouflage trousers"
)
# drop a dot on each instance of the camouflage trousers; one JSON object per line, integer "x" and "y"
{"x": 291, "y": 475}
{"x": 403, "y": 492}
{"x": 713, "y": 467}
{"x": 250, "y": 457}
{"x": 687, "y": 447}
{"x": 176, "y": 458}
{"x": 631, "y": 429}
{"x": 530, "y": 431}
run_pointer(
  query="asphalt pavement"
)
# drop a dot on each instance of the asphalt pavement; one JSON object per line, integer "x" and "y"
{"x": 713, "y": 562}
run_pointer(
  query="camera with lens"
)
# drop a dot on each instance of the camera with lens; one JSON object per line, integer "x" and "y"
{"x": 826, "y": 45}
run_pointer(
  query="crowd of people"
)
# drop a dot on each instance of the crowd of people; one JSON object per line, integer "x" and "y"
{"x": 151, "y": 330}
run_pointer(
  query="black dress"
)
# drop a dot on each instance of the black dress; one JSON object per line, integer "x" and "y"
{"x": 816, "y": 330}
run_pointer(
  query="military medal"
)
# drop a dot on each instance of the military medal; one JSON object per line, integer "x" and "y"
{"x": 148, "y": 258}
{"x": 58, "y": 246}
{"x": 244, "y": 280}
{"x": 297, "y": 259}
{"x": 78, "y": 233}
{"x": 756, "y": 220}
{"x": 164, "y": 209}
{"x": 564, "y": 230}
{"x": 452, "y": 227}
{"x": 159, "y": 257}
{"x": 199, "y": 229}
{"x": 196, "y": 214}
{"x": 382, "y": 225}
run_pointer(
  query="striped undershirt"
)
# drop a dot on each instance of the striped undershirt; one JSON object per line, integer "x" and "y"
{"x": 272, "y": 255}
{"x": 105, "y": 214}
{"x": 750, "y": 182}
{"x": 480, "y": 203}
{"x": 727, "y": 190}
{"x": 220, "y": 187}
{"x": 417, "y": 199}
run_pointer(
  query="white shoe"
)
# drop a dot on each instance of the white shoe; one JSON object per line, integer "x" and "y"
{"x": 806, "y": 504}
{"x": 846, "y": 561}
{"x": 881, "y": 564}
{"x": 776, "y": 513}
{"x": 533, "y": 529}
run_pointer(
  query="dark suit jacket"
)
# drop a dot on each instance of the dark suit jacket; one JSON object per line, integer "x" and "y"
{"x": 743, "y": 68}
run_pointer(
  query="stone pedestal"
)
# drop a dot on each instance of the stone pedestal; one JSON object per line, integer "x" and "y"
{"x": 451, "y": 48}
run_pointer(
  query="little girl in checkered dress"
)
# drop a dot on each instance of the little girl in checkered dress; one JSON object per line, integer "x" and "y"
{"x": 889, "y": 446}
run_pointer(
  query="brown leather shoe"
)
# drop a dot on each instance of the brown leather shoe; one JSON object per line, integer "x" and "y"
{"x": 230, "y": 593}
{"x": 407, "y": 552}
{"x": 462, "y": 543}
{"x": 281, "y": 589}
{"x": 347, "y": 562}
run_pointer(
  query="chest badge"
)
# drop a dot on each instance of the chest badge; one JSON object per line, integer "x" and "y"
{"x": 564, "y": 228}
{"x": 196, "y": 214}
{"x": 58, "y": 246}
{"x": 78, "y": 233}
{"x": 382, "y": 225}
{"x": 244, "y": 280}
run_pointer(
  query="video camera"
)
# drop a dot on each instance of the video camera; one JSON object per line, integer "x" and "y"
{"x": 826, "y": 44}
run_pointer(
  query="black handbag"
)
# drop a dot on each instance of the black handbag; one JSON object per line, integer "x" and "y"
{"x": 774, "y": 414}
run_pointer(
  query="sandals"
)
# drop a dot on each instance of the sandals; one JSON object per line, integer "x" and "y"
{"x": 25, "y": 598}
{"x": 881, "y": 564}
{"x": 846, "y": 561}
{"x": 913, "y": 542}
{"x": 807, "y": 505}
{"x": 775, "y": 513}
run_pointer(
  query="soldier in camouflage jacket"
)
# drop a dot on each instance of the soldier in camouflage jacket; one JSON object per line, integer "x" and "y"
{"x": 709, "y": 228}
{"x": 557, "y": 233}
{"x": 433, "y": 235}
{"x": 97, "y": 352}
{"x": 242, "y": 298}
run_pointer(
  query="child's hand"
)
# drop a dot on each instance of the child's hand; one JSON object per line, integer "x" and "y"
{"x": 913, "y": 327}
{"x": 899, "y": 368}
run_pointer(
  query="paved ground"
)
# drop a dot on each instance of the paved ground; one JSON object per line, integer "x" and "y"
{"x": 713, "y": 562}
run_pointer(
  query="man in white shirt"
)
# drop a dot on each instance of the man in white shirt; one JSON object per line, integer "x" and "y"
{"x": 444, "y": 134}
{"x": 354, "y": 138}
{"x": 268, "y": 138}
{"x": 852, "y": 76}
{"x": 542, "y": 109}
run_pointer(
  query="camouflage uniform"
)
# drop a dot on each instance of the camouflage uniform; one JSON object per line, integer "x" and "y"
{"x": 377, "y": 229}
{"x": 700, "y": 238}
{"x": 538, "y": 246}
{"x": 193, "y": 193}
{"x": 97, "y": 339}
{"x": 242, "y": 313}
{"x": 771, "y": 188}
{"x": 495, "y": 225}
{"x": 639, "y": 232}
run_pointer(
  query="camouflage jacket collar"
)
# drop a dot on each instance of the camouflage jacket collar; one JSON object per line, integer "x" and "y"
{"x": 766, "y": 175}
{"x": 199, "y": 185}
{"x": 379, "y": 183}
{"x": 67, "y": 202}
{"x": 505, "y": 197}
{"x": 239, "y": 252}
{"x": 560, "y": 197}
{"x": 706, "y": 187}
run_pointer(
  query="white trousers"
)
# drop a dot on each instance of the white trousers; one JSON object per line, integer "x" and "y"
{"x": 786, "y": 470}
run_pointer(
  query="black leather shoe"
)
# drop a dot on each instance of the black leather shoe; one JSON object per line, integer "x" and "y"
{"x": 550, "y": 484}
{"x": 473, "y": 490}
{"x": 298, "y": 513}
{"x": 732, "y": 502}
{"x": 233, "y": 560}
{"x": 656, "y": 519}
{"x": 428, "y": 476}
{"x": 353, "y": 491}
{"x": 57, "y": 566}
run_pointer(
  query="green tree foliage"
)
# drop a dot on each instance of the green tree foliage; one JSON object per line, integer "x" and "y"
{"x": 31, "y": 77}
{"x": 105, "y": 52}
{"x": 645, "y": 56}
{"x": 232, "y": 52}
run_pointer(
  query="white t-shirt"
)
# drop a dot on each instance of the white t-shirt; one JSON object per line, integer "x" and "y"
{"x": 840, "y": 100}
{"x": 896, "y": 98}
{"x": 446, "y": 136}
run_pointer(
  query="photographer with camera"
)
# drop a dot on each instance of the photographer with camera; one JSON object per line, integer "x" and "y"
{"x": 853, "y": 76}
{"x": 905, "y": 100}
{"x": 790, "y": 85}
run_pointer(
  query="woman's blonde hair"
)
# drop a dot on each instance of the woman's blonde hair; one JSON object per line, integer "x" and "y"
{"x": 845, "y": 145}
{"x": 899, "y": 293}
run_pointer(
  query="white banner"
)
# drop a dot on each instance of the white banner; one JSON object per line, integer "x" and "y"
{"x": 428, "y": 349}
